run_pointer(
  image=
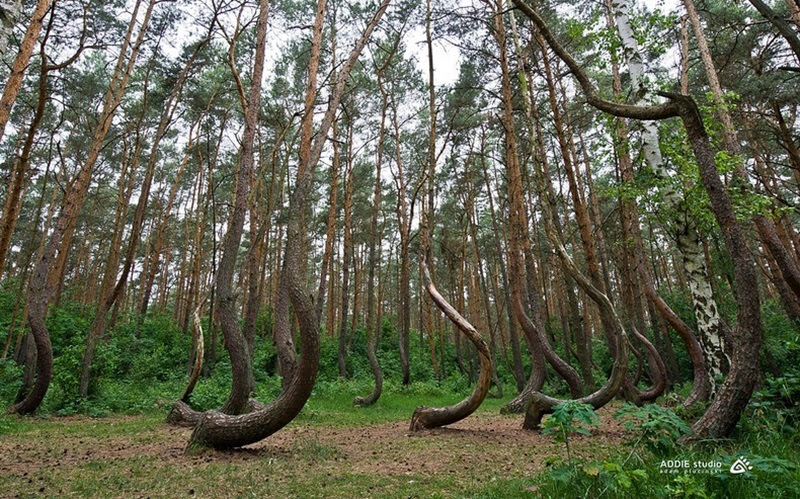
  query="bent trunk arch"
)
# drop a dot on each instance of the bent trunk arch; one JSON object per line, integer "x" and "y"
{"x": 434, "y": 417}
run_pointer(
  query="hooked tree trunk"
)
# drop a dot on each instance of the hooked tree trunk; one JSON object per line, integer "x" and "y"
{"x": 218, "y": 430}
{"x": 434, "y": 417}
{"x": 40, "y": 288}
{"x": 724, "y": 412}
{"x": 710, "y": 326}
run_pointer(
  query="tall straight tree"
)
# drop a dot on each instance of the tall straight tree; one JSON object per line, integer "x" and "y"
{"x": 20, "y": 64}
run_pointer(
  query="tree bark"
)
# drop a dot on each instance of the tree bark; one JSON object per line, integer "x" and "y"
{"x": 434, "y": 417}
{"x": 235, "y": 342}
{"x": 724, "y": 412}
{"x": 20, "y": 64}
{"x": 40, "y": 289}
{"x": 221, "y": 431}
{"x": 373, "y": 318}
{"x": 711, "y": 329}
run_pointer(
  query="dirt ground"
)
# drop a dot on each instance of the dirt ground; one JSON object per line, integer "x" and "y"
{"x": 483, "y": 447}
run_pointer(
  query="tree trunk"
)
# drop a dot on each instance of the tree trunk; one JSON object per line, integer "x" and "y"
{"x": 434, "y": 417}
{"x": 40, "y": 289}
{"x": 222, "y": 431}
{"x": 20, "y": 64}
{"x": 235, "y": 342}
{"x": 724, "y": 412}
{"x": 710, "y": 326}
{"x": 347, "y": 255}
{"x": 373, "y": 319}
{"x": 533, "y": 326}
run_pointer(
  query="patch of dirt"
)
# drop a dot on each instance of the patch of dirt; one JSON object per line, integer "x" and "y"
{"x": 480, "y": 447}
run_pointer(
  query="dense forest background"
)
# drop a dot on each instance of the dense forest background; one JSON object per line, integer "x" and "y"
{"x": 299, "y": 206}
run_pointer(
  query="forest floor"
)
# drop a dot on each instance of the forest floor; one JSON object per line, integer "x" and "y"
{"x": 316, "y": 456}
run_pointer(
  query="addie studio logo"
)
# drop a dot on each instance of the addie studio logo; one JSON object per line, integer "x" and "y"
{"x": 740, "y": 466}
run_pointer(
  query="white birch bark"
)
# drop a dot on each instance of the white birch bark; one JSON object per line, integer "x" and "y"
{"x": 709, "y": 323}
{"x": 10, "y": 13}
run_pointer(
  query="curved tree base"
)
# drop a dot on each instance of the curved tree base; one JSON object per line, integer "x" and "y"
{"x": 377, "y": 374}
{"x": 182, "y": 414}
{"x": 518, "y": 404}
{"x": 434, "y": 417}
{"x": 534, "y": 413}
{"x": 660, "y": 369}
{"x": 219, "y": 431}
{"x": 44, "y": 358}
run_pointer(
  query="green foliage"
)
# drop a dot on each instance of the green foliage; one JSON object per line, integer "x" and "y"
{"x": 776, "y": 404}
{"x": 570, "y": 417}
{"x": 10, "y": 379}
{"x": 658, "y": 428}
{"x": 686, "y": 486}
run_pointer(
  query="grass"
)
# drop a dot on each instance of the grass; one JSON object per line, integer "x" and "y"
{"x": 314, "y": 457}
{"x": 336, "y": 450}
{"x": 332, "y": 404}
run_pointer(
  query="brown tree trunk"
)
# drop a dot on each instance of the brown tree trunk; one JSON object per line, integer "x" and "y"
{"x": 404, "y": 310}
{"x": 347, "y": 255}
{"x": 221, "y": 431}
{"x": 39, "y": 289}
{"x": 533, "y": 326}
{"x": 235, "y": 342}
{"x": 20, "y": 64}
{"x": 434, "y": 417}
{"x": 373, "y": 318}
{"x": 724, "y": 412}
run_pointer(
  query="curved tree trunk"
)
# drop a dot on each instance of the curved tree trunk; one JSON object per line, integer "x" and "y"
{"x": 700, "y": 387}
{"x": 199, "y": 352}
{"x": 434, "y": 417}
{"x": 222, "y": 431}
{"x": 377, "y": 374}
{"x": 373, "y": 318}
{"x": 709, "y": 322}
{"x": 532, "y": 325}
{"x": 40, "y": 289}
{"x": 659, "y": 369}
{"x": 235, "y": 339}
{"x": 724, "y": 412}
{"x": 541, "y": 404}
{"x": 701, "y": 382}
{"x": 182, "y": 414}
